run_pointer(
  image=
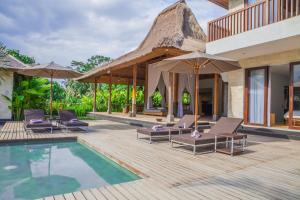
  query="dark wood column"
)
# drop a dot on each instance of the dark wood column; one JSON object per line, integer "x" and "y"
{"x": 216, "y": 97}
{"x": 170, "y": 116}
{"x": 95, "y": 97}
{"x": 146, "y": 87}
{"x": 196, "y": 97}
{"x": 127, "y": 97}
{"x": 134, "y": 75}
{"x": 175, "y": 93}
{"x": 109, "y": 95}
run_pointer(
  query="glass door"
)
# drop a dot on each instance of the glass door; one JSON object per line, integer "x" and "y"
{"x": 257, "y": 96}
{"x": 294, "y": 107}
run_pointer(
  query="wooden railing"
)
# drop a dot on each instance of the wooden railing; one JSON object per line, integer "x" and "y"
{"x": 254, "y": 16}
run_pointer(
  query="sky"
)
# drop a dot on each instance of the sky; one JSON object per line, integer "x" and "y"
{"x": 66, "y": 30}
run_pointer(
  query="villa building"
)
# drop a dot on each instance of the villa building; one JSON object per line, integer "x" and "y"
{"x": 264, "y": 36}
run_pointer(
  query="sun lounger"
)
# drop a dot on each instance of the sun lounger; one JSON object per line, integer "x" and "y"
{"x": 221, "y": 132}
{"x": 68, "y": 120}
{"x": 182, "y": 126}
{"x": 34, "y": 119}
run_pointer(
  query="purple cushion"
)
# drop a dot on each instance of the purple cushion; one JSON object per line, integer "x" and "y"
{"x": 74, "y": 120}
{"x": 35, "y": 121}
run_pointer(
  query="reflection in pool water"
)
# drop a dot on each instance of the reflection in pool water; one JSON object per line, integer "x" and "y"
{"x": 30, "y": 171}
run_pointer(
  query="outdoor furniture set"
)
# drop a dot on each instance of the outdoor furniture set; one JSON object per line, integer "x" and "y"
{"x": 224, "y": 132}
{"x": 34, "y": 119}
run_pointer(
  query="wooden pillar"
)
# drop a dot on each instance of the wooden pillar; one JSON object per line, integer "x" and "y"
{"x": 146, "y": 87}
{"x": 95, "y": 97}
{"x": 133, "y": 106}
{"x": 51, "y": 95}
{"x": 216, "y": 97}
{"x": 175, "y": 93}
{"x": 127, "y": 97}
{"x": 170, "y": 116}
{"x": 109, "y": 95}
{"x": 196, "y": 96}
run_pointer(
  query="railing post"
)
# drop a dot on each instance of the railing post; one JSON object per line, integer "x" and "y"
{"x": 266, "y": 9}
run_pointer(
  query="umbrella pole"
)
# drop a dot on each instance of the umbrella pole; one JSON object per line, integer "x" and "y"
{"x": 196, "y": 96}
{"x": 51, "y": 95}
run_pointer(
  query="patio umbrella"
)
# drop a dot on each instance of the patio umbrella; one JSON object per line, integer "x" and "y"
{"x": 197, "y": 63}
{"x": 51, "y": 70}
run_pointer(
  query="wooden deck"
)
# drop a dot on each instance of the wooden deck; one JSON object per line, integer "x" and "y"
{"x": 14, "y": 132}
{"x": 269, "y": 169}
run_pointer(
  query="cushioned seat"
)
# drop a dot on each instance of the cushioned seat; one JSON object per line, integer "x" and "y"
{"x": 224, "y": 128}
{"x": 31, "y": 115}
{"x": 44, "y": 124}
{"x": 68, "y": 119}
{"x": 186, "y": 121}
{"x": 74, "y": 123}
{"x": 162, "y": 131}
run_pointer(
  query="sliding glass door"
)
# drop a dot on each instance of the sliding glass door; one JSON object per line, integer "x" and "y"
{"x": 257, "y": 96}
{"x": 294, "y": 104}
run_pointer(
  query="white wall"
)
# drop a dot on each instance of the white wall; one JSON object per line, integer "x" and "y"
{"x": 6, "y": 88}
{"x": 236, "y": 93}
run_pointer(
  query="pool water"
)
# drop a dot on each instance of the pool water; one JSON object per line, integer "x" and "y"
{"x": 30, "y": 171}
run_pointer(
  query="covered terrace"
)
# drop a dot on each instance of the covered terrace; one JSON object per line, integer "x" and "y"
{"x": 174, "y": 32}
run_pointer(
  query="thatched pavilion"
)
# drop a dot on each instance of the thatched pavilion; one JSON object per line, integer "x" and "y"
{"x": 174, "y": 32}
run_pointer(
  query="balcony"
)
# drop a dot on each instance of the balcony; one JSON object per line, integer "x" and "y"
{"x": 252, "y": 17}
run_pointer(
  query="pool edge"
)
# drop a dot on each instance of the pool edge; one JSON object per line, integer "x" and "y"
{"x": 118, "y": 161}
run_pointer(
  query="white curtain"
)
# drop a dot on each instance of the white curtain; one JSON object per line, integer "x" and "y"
{"x": 165, "y": 76}
{"x": 181, "y": 87}
{"x": 153, "y": 79}
{"x": 256, "y": 96}
{"x": 162, "y": 89}
{"x": 185, "y": 81}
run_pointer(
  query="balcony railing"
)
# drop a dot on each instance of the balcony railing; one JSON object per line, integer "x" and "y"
{"x": 254, "y": 16}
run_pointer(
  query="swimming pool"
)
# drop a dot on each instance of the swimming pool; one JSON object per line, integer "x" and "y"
{"x": 30, "y": 171}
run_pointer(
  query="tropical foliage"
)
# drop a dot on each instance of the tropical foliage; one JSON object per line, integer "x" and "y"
{"x": 34, "y": 92}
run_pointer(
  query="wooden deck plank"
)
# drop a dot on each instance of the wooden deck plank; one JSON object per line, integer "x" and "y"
{"x": 88, "y": 195}
{"x": 69, "y": 196}
{"x": 79, "y": 196}
{"x": 97, "y": 194}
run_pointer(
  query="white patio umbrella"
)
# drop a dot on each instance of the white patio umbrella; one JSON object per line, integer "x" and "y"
{"x": 197, "y": 63}
{"x": 50, "y": 70}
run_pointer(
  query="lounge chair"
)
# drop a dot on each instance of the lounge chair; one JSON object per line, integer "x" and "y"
{"x": 182, "y": 126}
{"x": 221, "y": 132}
{"x": 34, "y": 119}
{"x": 68, "y": 120}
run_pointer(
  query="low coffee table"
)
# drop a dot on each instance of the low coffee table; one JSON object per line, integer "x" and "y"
{"x": 234, "y": 148}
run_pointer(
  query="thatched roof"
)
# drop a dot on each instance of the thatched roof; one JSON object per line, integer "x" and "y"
{"x": 10, "y": 63}
{"x": 175, "y": 31}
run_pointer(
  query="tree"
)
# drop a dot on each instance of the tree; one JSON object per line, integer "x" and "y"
{"x": 77, "y": 89}
{"x": 21, "y": 57}
{"x": 91, "y": 63}
{"x": 3, "y": 52}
